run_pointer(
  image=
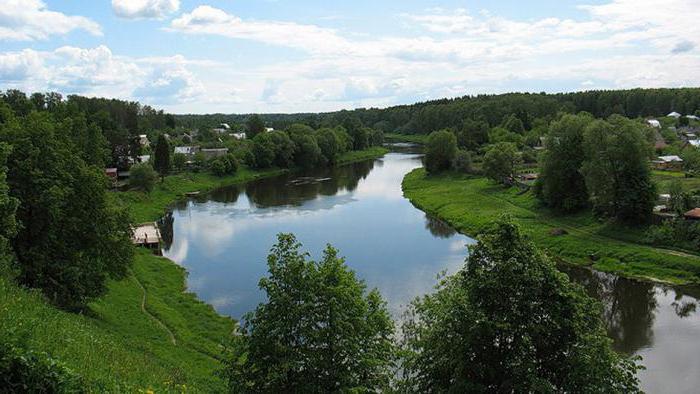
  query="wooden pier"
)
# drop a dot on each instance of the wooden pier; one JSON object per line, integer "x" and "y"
{"x": 147, "y": 235}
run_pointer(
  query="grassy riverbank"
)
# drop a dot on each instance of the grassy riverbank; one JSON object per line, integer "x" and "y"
{"x": 150, "y": 207}
{"x": 124, "y": 343}
{"x": 470, "y": 203}
{"x": 421, "y": 139}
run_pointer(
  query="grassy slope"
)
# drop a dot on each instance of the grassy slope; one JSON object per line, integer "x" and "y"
{"x": 118, "y": 347}
{"x": 470, "y": 203}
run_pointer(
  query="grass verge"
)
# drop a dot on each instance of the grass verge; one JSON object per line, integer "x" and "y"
{"x": 470, "y": 203}
{"x": 421, "y": 139}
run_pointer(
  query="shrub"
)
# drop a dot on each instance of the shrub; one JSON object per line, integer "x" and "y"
{"x": 226, "y": 165}
{"x": 25, "y": 371}
{"x": 462, "y": 162}
{"x": 142, "y": 177}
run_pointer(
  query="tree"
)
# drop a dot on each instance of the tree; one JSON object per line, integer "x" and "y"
{"x": 462, "y": 162}
{"x": 8, "y": 207}
{"x": 320, "y": 330}
{"x": 226, "y": 165}
{"x": 329, "y": 143}
{"x": 509, "y": 321}
{"x": 561, "y": 184}
{"x": 440, "y": 151}
{"x": 307, "y": 152}
{"x": 264, "y": 150}
{"x": 500, "y": 161}
{"x": 162, "y": 160}
{"x": 472, "y": 134}
{"x": 680, "y": 201}
{"x": 71, "y": 239}
{"x": 179, "y": 161}
{"x": 284, "y": 149}
{"x": 513, "y": 124}
{"x": 143, "y": 177}
{"x": 255, "y": 126}
{"x": 616, "y": 170}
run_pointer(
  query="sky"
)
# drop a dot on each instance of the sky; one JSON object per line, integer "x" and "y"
{"x": 285, "y": 56}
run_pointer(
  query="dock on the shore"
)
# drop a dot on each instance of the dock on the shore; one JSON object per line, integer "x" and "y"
{"x": 147, "y": 235}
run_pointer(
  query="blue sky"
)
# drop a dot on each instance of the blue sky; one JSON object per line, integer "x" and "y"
{"x": 305, "y": 56}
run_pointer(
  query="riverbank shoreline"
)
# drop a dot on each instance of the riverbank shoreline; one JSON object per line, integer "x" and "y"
{"x": 469, "y": 203}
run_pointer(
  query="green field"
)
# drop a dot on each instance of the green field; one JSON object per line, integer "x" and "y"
{"x": 413, "y": 138}
{"x": 118, "y": 346}
{"x": 470, "y": 203}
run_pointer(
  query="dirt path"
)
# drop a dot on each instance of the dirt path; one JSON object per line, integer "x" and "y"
{"x": 145, "y": 311}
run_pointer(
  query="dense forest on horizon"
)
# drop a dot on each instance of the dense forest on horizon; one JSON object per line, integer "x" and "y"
{"x": 426, "y": 117}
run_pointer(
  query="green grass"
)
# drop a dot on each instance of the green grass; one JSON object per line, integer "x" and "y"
{"x": 118, "y": 347}
{"x": 150, "y": 207}
{"x": 470, "y": 203}
{"x": 663, "y": 180}
{"x": 421, "y": 139}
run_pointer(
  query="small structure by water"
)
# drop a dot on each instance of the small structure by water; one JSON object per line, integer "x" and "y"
{"x": 147, "y": 235}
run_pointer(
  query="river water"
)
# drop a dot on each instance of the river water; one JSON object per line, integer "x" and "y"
{"x": 223, "y": 240}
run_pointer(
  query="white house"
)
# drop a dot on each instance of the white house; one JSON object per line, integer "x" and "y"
{"x": 674, "y": 114}
{"x": 654, "y": 123}
{"x": 269, "y": 129}
{"x": 693, "y": 117}
{"x": 187, "y": 150}
{"x": 143, "y": 140}
{"x": 695, "y": 143}
{"x": 238, "y": 136}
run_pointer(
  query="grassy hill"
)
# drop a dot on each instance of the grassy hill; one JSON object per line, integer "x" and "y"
{"x": 170, "y": 341}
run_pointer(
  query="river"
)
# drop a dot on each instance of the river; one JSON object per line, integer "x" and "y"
{"x": 222, "y": 239}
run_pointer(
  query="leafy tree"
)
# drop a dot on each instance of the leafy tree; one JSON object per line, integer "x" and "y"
{"x": 561, "y": 184}
{"x": 8, "y": 207}
{"x": 462, "y": 162}
{"x": 284, "y": 149}
{"x": 255, "y": 126}
{"x": 376, "y": 137}
{"x": 440, "y": 151}
{"x": 513, "y": 124}
{"x": 330, "y": 144}
{"x": 616, "y": 170}
{"x": 143, "y": 177}
{"x": 500, "y": 161}
{"x": 71, "y": 239}
{"x": 680, "y": 200}
{"x": 264, "y": 150}
{"x": 162, "y": 161}
{"x": 499, "y": 134}
{"x": 319, "y": 330}
{"x": 509, "y": 321}
{"x": 179, "y": 161}
{"x": 307, "y": 152}
{"x": 472, "y": 134}
{"x": 225, "y": 165}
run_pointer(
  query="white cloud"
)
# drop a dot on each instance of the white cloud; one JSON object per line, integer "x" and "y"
{"x": 138, "y": 9}
{"x": 26, "y": 20}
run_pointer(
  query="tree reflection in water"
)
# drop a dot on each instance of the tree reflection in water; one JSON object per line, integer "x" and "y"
{"x": 629, "y": 306}
{"x": 438, "y": 228}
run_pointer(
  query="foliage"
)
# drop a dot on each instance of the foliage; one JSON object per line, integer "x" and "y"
{"x": 284, "y": 149}
{"x": 307, "y": 153}
{"x": 25, "y": 371}
{"x": 678, "y": 233}
{"x": 8, "y": 207}
{"x": 264, "y": 150}
{"x": 255, "y": 126}
{"x": 225, "y": 165}
{"x": 616, "y": 170}
{"x": 162, "y": 161}
{"x": 511, "y": 322}
{"x": 561, "y": 184}
{"x": 142, "y": 177}
{"x": 499, "y": 134}
{"x": 462, "y": 162}
{"x": 318, "y": 331}
{"x": 472, "y": 134}
{"x": 513, "y": 124}
{"x": 179, "y": 161}
{"x": 680, "y": 200}
{"x": 70, "y": 239}
{"x": 440, "y": 151}
{"x": 500, "y": 161}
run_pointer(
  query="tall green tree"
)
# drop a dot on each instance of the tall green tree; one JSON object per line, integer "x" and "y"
{"x": 616, "y": 170}
{"x": 71, "y": 240}
{"x": 8, "y": 207}
{"x": 513, "y": 124}
{"x": 500, "y": 161}
{"x": 320, "y": 330}
{"x": 162, "y": 161}
{"x": 264, "y": 150}
{"x": 255, "y": 126}
{"x": 440, "y": 151}
{"x": 561, "y": 184}
{"x": 142, "y": 177}
{"x": 510, "y": 322}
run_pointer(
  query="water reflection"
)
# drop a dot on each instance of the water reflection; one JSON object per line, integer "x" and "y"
{"x": 656, "y": 322}
{"x": 223, "y": 240}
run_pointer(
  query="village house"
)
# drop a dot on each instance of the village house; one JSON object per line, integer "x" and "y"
{"x": 188, "y": 151}
{"x": 654, "y": 123}
{"x": 223, "y": 128}
{"x": 674, "y": 114}
{"x": 668, "y": 163}
{"x": 143, "y": 140}
{"x": 238, "y": 136}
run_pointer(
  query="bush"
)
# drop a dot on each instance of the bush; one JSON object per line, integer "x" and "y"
{"x": 179, "y": 161}
{"x": 142, "y": 177}
{"x": 226, "y": 165}
{"x": 462, "y": 162}
{"x": 23, "y": 371}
